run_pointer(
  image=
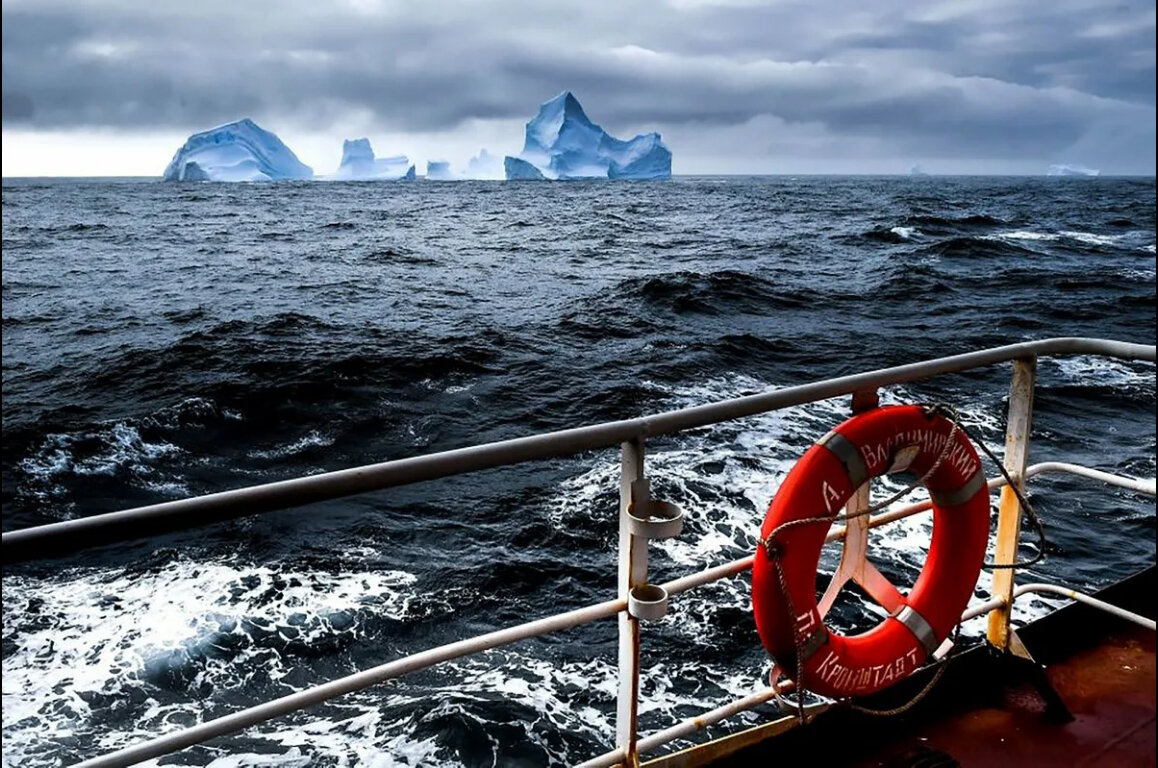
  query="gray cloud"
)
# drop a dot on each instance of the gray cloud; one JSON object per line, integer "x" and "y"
{"x": 964, "y": 78}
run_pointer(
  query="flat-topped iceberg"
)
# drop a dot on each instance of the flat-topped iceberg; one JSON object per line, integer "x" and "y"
{"x": 562, "y": 143}
{"x": 359, "y": 164}
{"x": 1072, "y": 170}
{"x": 238, "y": 151}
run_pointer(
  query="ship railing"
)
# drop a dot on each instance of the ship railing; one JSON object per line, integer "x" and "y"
{"x": 640, "y": 518}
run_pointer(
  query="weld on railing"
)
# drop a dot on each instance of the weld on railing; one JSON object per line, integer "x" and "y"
{"x": 634, "y": 591}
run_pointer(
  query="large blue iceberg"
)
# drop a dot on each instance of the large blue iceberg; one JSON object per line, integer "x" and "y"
{"x": 562, "y": 143}
{"x": 359, "y": 163}
{"x": 238, "y": 151}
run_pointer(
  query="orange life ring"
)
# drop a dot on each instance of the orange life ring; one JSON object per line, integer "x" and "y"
{"x": 887, "y": 439}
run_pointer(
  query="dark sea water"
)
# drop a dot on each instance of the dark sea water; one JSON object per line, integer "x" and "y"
{"x": 169, "y": 340}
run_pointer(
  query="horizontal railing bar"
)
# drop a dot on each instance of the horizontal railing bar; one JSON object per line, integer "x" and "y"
{"x": 1082, "y": 597}
{"x": 1141, "y": 485}
{"x": 982, "y": 608}
{"x": 237, "y": 721}
{"x": 69, "y": 536}
{"x": 711, "y": 717}
{"x": 708, "y": 575}
{"x": 312, "y": 696}
{"x": 698, "y": 723}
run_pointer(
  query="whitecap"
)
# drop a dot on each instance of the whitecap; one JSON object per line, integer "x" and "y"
{"x": 1089, "y": 370}
{"x": 314, "y": 439}
{"x": 115, "y": 449}
{"x": 1091, "y": 239}
{"x": 1022, "y": 234}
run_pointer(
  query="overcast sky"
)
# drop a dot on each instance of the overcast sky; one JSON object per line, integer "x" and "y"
{"x": 820, "y": 86}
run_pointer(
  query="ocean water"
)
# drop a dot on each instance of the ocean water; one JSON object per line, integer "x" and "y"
{"x": 169, "y": 340}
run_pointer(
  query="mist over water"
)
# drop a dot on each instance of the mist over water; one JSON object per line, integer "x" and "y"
{"x": 165, "y": 340}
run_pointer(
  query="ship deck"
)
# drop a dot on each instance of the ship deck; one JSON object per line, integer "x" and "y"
{"x": 990, "y": 710}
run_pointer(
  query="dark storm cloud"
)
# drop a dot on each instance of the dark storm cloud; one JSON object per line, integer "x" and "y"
{"x": 998, "y": 79}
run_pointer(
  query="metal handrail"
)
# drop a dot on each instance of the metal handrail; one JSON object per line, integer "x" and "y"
{"x": 69, "y": 536}
{"x": 1141, "y": 485}
{"x": 1082, "y": 597}
{"x": 60, "y": 538}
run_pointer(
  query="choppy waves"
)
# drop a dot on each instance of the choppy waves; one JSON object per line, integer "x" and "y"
{"x": 179, "y": 358}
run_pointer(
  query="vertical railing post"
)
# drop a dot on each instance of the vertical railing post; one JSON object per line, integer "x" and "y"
{"x": 1017, "y": 432}
{"x": 632, "y": 573}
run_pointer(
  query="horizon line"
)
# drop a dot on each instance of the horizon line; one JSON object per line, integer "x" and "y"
{"x": 902, "y": 174}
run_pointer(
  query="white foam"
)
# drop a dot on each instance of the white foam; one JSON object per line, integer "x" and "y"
{"x": 1088, "y": 238}
{"x": 1149, "y": 248}
{"x": 1097, "y": 371}
{"x": 313, "y": 439}
{"x": 905, "y": 233}
{"x": 107, "y": 632}
{"x": 291, "y": 759}
{"x": 111, "y": 449}
{"x": 1022, "y": 234}
{"x": 565, "y": 696}
{"x": 121, "y": 446}
{"x": 1091, "y": 239}
{"x": 190, "y": 410}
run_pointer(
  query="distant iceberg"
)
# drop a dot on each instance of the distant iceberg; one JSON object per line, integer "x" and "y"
{"x": 1072, "y": 170}
{"x": 484, "y": 165}
{"x": 562, "y": 143}
{"x": 238, "y": 151}
{"x": 439, "y": 170}
{"x": 359, "y": 164}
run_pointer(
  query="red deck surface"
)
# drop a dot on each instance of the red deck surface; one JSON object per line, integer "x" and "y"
{"x": 1108, "y": 688}
{"x": 990, "y": 709}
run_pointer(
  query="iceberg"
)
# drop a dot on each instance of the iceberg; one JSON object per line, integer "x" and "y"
{"x": 1072, "y": 170}
{"x": 360, "y": 164}
{"x": 484, "y": 165}
{"x": 238, "y": 151}
{"x": 562, "y": 143}
{"x": 517, "y": 169}
{"x": 439, "y": 170}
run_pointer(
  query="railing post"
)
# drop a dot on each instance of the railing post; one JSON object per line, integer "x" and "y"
{"x": 1017, "y": 432}
{"x": 632, "y": 573}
